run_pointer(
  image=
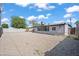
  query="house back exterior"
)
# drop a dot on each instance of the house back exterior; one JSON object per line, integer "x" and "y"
{"x": 55, "y": 29}
{"x": 77, "y": 28}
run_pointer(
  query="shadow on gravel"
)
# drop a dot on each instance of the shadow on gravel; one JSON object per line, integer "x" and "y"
{"x": 48, "y": 34}
{"x": 1, "y": 32}
{"x": 67, "y": 47}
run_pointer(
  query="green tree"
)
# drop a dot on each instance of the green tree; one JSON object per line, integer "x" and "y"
{"x": 18, "y": 22}
{"x": 5, "y": 25}
{"x": 34, "y": 23}
{"x": 77, "y": 22}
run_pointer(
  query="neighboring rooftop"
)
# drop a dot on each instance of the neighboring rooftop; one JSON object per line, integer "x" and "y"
{"x": 56, "y": 24}
{"x": 77, "y": 22}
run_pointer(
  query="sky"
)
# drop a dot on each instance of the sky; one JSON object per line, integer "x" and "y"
{"x": 49, "y": 13}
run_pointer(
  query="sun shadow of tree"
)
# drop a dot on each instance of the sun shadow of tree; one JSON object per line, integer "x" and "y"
{"x": 1, "y": 32}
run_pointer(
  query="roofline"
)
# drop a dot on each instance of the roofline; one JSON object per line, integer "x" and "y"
{"x": 52, "y": 25}
{"x": 57, "y": 24}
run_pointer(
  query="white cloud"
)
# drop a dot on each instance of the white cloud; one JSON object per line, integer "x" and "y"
{"x": 73, "y": 20}
{"x": 43, "y": 6}
{"x": 5, "y": 20}
{"x": 39, "y": 10}
{"x": 60, "y": 3}
{"x": 1, "y": 8}
{"x": 74, "y": 8}
{"x": 30, "y": 18}
{"x": 40, "y": 1}
{"x": 40, "y": 17}
{"x": 21, "y": 16}
{"x": 58, "y": 22}
{"x": 22, "y": 4}
{"x": 67, "y": 15}
{"x": 30, "y": 7}
{"x": 40, "y": 6}
{"x": 51, "y": 7}
{"x": 49, "y": 15}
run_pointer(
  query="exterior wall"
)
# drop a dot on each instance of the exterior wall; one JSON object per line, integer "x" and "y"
{"x": 59, "y": 30}
{"x": 77, "y": 29}
{"x": 14, "y": 30}
{"x": 66, "y": 29}
{"x": 35, "y": 29}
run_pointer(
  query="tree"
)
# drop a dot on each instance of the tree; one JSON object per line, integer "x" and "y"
{"x": 18, "y": 22}
{"x": 32, "y": 22}
{"x": 36, "y": 24}
{"x": 5, "y": 25}
{"x": 77, "y": 22}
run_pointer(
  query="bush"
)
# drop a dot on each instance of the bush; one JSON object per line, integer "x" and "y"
{"x": 5, "y": 25}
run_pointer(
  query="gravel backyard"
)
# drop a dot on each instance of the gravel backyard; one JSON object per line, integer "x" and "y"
{"x": 27, "y": 43}
{"x": 35, "y": 44}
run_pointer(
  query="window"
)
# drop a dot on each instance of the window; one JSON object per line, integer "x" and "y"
{"x": 46, "y": 28}
{"x": 60, "y": 26}
{"x": 38, "y": 28}
{"x": 53, "y": 28}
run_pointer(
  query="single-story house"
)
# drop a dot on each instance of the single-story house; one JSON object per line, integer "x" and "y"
{"x": 56, "y": 29}
{"x": 72, "y": 30}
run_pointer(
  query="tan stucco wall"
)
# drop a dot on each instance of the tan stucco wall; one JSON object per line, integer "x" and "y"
{"x": 60, "y": 30}
{"x": 77, "y": 29}
{"x": 66, "y": 29}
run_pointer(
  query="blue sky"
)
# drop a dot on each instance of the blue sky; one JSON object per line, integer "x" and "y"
{"x": 46, "y": 12}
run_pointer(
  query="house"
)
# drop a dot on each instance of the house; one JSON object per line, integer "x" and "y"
{"x": 54, "y": 29}
{"x": 77, "y": 28}
{"x": 72, "y": 31}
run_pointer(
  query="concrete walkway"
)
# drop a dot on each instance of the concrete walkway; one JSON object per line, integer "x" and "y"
{"x": 27, "y": 43}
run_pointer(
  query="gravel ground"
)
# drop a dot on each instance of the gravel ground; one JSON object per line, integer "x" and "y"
{"x": 67, "y": 47}
{"x": 27, "y": 43}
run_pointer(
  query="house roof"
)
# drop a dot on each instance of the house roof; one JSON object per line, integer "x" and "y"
{"x": 55, "y": 24}
{"x": 77, "y": 22}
